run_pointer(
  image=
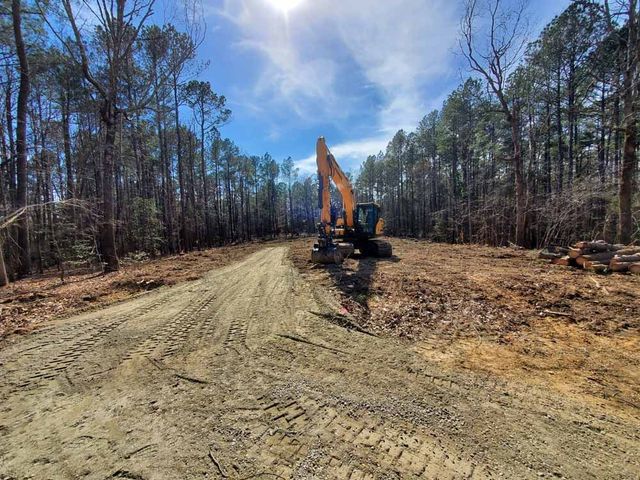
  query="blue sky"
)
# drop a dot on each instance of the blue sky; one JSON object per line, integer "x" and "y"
{"x": 354, "y": 71}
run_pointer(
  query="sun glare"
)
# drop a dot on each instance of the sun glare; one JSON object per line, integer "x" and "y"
{"x": 285, "y": 5}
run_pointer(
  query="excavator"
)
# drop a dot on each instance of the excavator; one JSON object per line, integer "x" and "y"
{"x": 359, "y": 224}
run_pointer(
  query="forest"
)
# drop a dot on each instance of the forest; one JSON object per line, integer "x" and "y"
{"x": 538, "y": 148}
{"x": 110, "y": 145}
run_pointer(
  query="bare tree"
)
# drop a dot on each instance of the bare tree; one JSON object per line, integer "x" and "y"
{"x": 495, "y": 56}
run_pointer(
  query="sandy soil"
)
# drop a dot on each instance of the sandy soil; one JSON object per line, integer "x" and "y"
{"x": 253, "y": 372}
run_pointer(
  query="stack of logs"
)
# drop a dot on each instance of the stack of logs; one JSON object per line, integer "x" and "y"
{"x": 597, "y": 256}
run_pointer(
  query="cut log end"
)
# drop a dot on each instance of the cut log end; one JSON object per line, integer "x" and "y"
{"x": 597, "y": 256}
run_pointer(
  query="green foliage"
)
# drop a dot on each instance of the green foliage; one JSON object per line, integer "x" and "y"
{"x": 145, "y": 226}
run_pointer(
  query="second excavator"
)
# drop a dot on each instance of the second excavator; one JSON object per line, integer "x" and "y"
{"x": 360, "y": 223}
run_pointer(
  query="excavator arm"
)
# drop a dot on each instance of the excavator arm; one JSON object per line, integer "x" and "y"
{"x": 348, "y": 234}
{"x": 328, "y": 169}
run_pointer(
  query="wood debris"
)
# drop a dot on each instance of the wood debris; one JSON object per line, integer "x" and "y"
{"x": 597, "y": 256}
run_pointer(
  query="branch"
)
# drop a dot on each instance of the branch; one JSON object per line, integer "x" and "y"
{"x": 135, "y": 11}
{"x": 83, "y": 52}
{"x": 14, "y": 216}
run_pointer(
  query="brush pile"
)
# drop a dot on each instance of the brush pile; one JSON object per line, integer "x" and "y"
{"x": 598, "y": 256}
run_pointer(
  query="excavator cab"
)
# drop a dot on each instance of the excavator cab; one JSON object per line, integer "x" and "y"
{"x": 366, "y": 219}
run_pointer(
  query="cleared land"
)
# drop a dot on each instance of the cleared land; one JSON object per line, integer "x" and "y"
{"x": 254, "y": 371}
{"x": 501, "y": 311}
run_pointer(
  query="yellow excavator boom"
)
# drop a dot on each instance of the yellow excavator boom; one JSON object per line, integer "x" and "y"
{"x": 328, "y": 169}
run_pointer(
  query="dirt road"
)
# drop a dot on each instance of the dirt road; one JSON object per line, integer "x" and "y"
{"x": 249, "y": 373}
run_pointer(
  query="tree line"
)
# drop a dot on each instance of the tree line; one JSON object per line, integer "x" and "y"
{"x": 539, "y": 147}
{"x": 110, "y": 145}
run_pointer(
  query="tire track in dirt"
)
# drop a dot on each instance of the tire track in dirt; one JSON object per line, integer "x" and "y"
{"x": 77, "y": 340}
{"x": 245, "y": 304}
{"x": 168, "y": 339}
{"x": 248, "y": 377}
{"x": 358, "y": 440}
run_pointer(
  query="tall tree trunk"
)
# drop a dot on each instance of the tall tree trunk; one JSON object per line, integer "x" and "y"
{"x": 184, "y": 243}
{"x": 560, "y": 176}
{"x": 570, "y": 125}
{"x": 453, "y": 198}
{"x": 217, "y": 190}
{"x": 547, "y": 150}
{"x": 229, "y": 199}
{"x": 12, "y": 146}
{"x": 107, "y": 227}
{"x": 194, "y": 227}
{"x": 627, "y": 172}
{"x": 290, "y": 210}
{"x": 258, "y": 221}
{"x": 616, "y": 133}
{"x": 67, "y": 144}
{"x": 205, "y": 189}
{"x": 4, "y": 164}
{"x": 165, "y": 167}
{"x": 21, "y": 140}
{"x": 4, "y": 278}
{"x": 518, "y": 166}
{"x": 602, "y": 164}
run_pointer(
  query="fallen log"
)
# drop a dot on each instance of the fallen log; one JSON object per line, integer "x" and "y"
{"x": 626, "y": 258}
{"x": 597, "y": 246}
{"x": 564, "y": 261}
{"x": 595, "y": 257}
{"x": 581, "y": 252}
{"x": 620, "y": 266}
{"x": 576, "y": 252}
{"x": 545, "y": 255}
{"x": 628, "y": 251}
{"x": 587, "y": 263}
{"x": 596, "y": 267}
{"x": 556, "y": 249}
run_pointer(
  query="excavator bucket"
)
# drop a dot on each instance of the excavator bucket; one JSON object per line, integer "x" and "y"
{"x": 336, "y": 253}
{"x": 327, "y": 255}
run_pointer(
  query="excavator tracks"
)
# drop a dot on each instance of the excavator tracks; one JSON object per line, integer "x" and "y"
{"x": 377, "y": 248}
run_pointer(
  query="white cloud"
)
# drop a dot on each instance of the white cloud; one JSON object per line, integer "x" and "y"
{"x": 401, "y": 46}
{"x": 292, "y": 82}
{"x": 349, "y": 154}
{"x": 326, "y": 61}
